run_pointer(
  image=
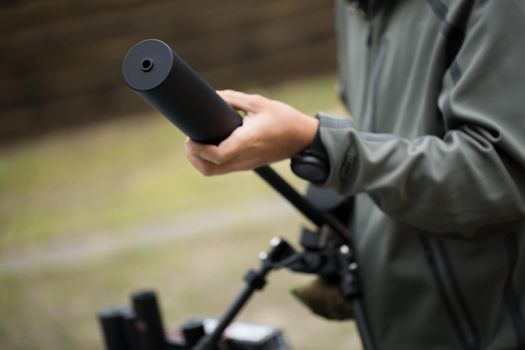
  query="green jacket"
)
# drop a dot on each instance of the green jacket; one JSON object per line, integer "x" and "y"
{"x": 435, "y": 157}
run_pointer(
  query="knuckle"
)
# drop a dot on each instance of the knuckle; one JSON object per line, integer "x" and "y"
{"x": 207, "y": 170}
{"x": 258, "y": 98}
{"x": 255, "y": 100}
{"x": 211, "y": 156}
{"x": 220, "y": 158}
{"x": 224, "y": 93}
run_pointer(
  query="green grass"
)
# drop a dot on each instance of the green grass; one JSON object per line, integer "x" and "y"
{"x": 118, "y": 174}
{"x": 56, "y": 307}
{"x": 111, "y": 178}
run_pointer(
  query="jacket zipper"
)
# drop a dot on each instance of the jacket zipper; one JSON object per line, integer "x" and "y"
{"x": 376, "y": 75}
{"x": 451, "y": 296}
{"x": 369, "y": 68}
{"x": 376, "y": 54}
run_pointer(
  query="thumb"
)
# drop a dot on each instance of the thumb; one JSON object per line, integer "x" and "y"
{"x": 242, "y": 101}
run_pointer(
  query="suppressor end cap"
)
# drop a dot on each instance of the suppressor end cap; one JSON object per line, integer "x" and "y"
{"x": 147, "y": 64}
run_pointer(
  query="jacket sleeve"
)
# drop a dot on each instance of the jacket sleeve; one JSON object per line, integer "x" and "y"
{"x": 470, "y": 181}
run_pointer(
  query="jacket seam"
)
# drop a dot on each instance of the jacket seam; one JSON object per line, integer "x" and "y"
{"x": 439, "y": 9}
{"x": 429, "y": 251}
{"x": 453, "y": 32}
{"x": 376, "y": 78}
{"x": 511, "y": 298}
{"x": 474, "y": 341}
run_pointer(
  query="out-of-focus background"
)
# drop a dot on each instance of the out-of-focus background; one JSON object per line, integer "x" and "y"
{"x": 96, "y": 197}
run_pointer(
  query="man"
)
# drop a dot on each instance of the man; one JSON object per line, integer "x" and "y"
{"x": 435, "y": 158}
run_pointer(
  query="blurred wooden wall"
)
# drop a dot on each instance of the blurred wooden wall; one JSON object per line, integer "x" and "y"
{"x": 61, "y": 59}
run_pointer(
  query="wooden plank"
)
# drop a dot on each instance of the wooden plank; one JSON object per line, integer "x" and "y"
{"x": 51, "y": 56}
{"x": 100, "y": 68}
{"x": 66, "y": 70}
{"x": 28, "y": 60}
{"x": 28, "y": 14}
{"x": 120, "y": 100}
{"x": 185, "y": 17}
{"x": 302, "y": 61}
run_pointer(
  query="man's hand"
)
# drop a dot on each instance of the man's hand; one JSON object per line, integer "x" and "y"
{"x": 270, "y": 131}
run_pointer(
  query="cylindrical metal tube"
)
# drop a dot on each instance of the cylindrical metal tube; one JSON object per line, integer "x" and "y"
{"x": 149, "y": 321}
{"x": 113, "y": 328}
{"x": 193, "y": 331}
{"x": 130, "y": 328}
{"x": 163, "y": 79}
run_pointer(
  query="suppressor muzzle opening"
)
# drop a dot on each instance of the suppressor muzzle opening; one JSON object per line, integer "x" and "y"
{"x": 147, "y": 64}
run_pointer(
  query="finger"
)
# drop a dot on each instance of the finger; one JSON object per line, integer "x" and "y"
{"x": 211, "y": 169}
{"x": 203, "y": 166}
{"x": 208, "y": 168}
{"x": 215, "y": 154}
{"x": 204, "y": 151}
{"x": 241, "y": 100}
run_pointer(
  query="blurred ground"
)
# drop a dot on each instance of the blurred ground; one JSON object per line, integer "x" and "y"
{"x": 90, "y": 216}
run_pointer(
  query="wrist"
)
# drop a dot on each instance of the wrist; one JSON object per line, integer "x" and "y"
{"x": 312, "y": 162}
{"x": 310, "y": 129}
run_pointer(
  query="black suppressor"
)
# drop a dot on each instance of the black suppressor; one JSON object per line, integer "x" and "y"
{"x": 163, "y": 79}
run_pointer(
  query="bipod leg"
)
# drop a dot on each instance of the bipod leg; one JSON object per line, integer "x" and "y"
{"x": 255, "y": 280}
{"x": 351, "y": 290}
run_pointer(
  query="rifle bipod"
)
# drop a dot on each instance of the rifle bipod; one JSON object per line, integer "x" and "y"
{"x": 141, "y": 327}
